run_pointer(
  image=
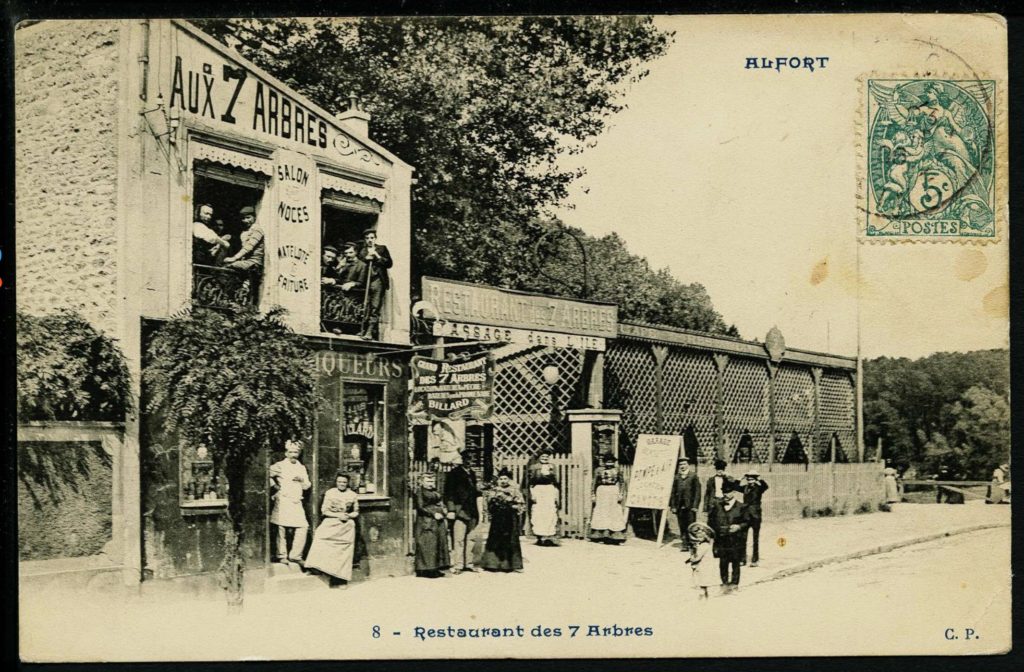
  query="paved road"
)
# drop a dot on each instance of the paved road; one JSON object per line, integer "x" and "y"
{"x": 901, "y": 602}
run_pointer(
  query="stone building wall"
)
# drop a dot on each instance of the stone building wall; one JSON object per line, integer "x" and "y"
{"x": 66, "y": 168}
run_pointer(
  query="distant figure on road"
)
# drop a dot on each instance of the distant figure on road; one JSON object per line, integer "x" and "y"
{"x": 700, "y": 538}
{"x": 685, "y": 501}
{"x": 999, "y": 489}
{"x": 892, "y": 488}
{"x": 753, "y": 489}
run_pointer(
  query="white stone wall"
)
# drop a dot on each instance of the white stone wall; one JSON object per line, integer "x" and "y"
{"x": 66, "y": 168}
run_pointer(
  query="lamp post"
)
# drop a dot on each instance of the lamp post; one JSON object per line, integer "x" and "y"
{"x": 584, "y": 291}
{"x": 551, "y": 376}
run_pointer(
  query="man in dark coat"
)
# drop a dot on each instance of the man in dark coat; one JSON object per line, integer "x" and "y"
{"x": 753, "y": 489}
{"x": 730, "y": 535}
{"x": 460, "y": 495}
{"x": 685, "y": 500}
{"x": 714, "y": 493}
{"x": 352, "y": 274}
{"x": 378, "y": 260}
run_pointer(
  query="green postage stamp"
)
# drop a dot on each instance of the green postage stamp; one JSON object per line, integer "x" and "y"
{"x": 931, "y": 160}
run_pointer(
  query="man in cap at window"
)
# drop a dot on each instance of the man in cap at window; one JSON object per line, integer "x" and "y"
{"x": 378, "y": 260}
{"x": 353, "y": 273}
{"x": 330, "y": 273}
{"x": 250, "y": 257}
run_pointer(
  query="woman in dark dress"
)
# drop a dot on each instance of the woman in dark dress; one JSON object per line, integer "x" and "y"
{"x": 505, "y": 504}
{"x": 430, "y": 530}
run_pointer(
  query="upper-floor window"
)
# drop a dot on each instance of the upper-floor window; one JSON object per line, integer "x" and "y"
{"x": 228, "y": 240}
{"x": 355, "y": 266}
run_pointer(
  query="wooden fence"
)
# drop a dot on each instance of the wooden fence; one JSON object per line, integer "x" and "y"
{"x": 794, "y": 490}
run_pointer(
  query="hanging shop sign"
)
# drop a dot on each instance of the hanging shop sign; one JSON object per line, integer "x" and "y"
{"x": 462, "y": 389}
{"x": 486, "y": 332}
{"x": 480, "y": 304}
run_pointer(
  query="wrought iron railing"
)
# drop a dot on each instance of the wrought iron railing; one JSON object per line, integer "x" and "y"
{"x": 341, "y": 312}
{"x": 218, "y": 287}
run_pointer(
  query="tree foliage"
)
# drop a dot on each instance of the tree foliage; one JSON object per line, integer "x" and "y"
{"x": 616, "y": 276}
{"x": 948, "y": 410}
{"x": 67, "y": 370}
{"x": 239, "y": 382}
{"x": 484, "y": 108}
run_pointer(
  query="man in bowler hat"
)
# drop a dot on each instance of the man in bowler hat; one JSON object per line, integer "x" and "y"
{"x": 685, "y": 500}
{"x": 730, "y": 535}
{"x": 714, "y": 493}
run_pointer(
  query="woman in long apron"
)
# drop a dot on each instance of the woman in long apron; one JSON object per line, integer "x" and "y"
{"x": 608, "y": 520}
{"x": 544, "y": 498}
{"x": 430, "y": 529}
{"x": 334, "y": 541}
{"x": 505, "y": 505}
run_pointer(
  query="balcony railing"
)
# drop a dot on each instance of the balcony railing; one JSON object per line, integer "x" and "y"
{"x": 341, "y": 312}
{"x": 217, "y": 287}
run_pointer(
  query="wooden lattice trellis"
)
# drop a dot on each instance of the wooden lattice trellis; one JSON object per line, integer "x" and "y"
{"x": 690, "y": 397}
{"x": 746, "y": 408}
{"x": 631, "y": 386}
{"x": 837, "y": 416}
{"x": 794, "y": 409}
{"x": 523, "y": 423}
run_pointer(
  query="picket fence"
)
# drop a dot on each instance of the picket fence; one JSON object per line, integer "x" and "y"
{"x": 794, "y": 490}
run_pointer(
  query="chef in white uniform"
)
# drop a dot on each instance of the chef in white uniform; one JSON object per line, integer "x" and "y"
{"x": 289, "y": 479}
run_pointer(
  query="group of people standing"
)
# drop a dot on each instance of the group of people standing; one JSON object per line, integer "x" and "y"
{"x": 361, "y": 273}
{"x": 446, "y": 519}
{"x": 730, "y": 522}
{"x": 455, "y": 513}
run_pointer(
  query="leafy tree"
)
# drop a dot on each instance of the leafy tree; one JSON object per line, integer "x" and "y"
{"x": 616, "y": 276}
{"x": 945, "y": 410}
{"x": 239, "y": 382}
{"x": 67, "y": 370}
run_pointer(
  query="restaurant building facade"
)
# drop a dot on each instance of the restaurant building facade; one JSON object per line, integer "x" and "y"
{"x": 126, "y": 129}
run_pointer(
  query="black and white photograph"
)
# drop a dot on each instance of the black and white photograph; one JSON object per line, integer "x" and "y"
{"x": 533, "y": 336}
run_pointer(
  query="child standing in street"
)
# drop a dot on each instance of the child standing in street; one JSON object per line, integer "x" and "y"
{"x": 701, "y": 559}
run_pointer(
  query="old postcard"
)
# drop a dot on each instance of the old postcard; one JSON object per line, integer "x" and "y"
{"x": 528, "y": 337}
